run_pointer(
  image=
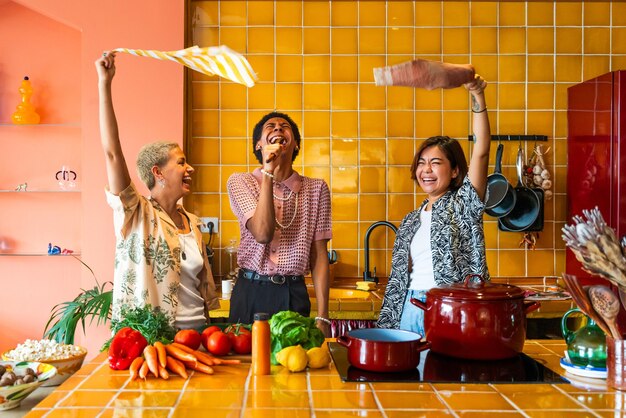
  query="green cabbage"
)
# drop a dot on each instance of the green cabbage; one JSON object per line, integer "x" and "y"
{"x": 290, "y": 328}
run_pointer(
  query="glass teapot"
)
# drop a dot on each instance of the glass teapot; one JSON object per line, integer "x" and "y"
{"x": 586, "y": 346}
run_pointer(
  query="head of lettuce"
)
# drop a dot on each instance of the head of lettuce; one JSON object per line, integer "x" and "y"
{"x": 290, "y": 328}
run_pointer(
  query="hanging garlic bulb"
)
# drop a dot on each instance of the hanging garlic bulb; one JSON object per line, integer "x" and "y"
{"x": 541, "y": 175}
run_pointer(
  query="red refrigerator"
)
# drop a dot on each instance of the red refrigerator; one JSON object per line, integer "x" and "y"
{"x": 596, "y": 154}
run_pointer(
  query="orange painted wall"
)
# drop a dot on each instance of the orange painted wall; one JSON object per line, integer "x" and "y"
{"x": 56, "y": 43}
{"x": 314, "y": 60}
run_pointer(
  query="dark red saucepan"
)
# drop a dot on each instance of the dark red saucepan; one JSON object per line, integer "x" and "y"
{"x": 476, "y": 320}
{"x": 383, "y": 350}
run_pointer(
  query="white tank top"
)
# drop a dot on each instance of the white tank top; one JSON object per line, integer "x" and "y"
{"x": 190, "y": 312}
{"x": 422, "y": 276}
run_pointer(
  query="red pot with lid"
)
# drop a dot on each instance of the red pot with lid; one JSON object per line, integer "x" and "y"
{"x": 476, "y": 319}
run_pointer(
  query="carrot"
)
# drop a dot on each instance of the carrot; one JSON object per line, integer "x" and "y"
{"x": 183, "y": 347}
{"x": 150, "y": 354}
{"x": 199, "y": 367}
{"x": 163, "y": 373}
{"x": 226, "y": 361}
{"x": 143, "y": 370}
{"x": 205, "y": 358}
{"x": 160, "y": 349}
{"x": 176, "y": 367}
{"x": 180, "y": 354}
{"x": 134, "y": 367}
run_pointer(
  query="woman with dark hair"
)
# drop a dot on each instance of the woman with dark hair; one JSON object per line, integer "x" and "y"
{"x": 285, "y": 225}
{"x": 443, "y": 241}
{"x": 159, "y": 256}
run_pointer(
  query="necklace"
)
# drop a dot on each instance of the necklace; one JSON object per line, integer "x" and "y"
{"x": 183, "y": 255}
{"x": 284, "y": 199}
{"x": 295, "y": 211}
{"x": 181, "y": 227}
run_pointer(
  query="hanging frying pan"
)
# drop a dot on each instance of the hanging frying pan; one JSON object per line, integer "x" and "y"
{"x": 527, "y": 206}
{"x": 501, "y": 195}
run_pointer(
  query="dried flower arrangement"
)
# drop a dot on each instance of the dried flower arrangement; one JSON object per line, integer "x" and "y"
{"x": 601, "y": 253}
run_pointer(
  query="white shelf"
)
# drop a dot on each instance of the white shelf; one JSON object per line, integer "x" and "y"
{"x": 39, "y": 191}
{"x": 66, "y": 125}
{"x": 39, "y": 255}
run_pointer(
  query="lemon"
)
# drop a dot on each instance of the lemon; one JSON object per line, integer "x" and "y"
{"x": 294, "y": 358}
{"x": 318, "y": 357}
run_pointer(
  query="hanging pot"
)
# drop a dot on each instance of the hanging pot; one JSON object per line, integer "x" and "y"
{"x": 476, "y": 320}
{"x": 527, "y": 206}
{"x": 383, "y": 350}
{"x": 501, "y": 195}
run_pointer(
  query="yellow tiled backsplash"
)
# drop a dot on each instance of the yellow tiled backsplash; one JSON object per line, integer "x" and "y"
{"x": 314, "y": 60}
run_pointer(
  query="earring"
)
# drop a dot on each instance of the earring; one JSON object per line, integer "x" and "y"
{"x": 297, "y": 148}
{"x": 162, "y": 183}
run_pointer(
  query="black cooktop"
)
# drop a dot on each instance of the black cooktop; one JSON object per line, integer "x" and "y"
{"x": 437, "y": 368}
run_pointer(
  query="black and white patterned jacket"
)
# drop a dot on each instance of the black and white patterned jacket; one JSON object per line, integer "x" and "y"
{"x": 458, "y": 247}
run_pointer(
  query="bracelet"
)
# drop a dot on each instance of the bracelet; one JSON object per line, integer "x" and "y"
{"x": 268, "y": 174}
{"x": 479, "y": 111}
{"x": 321, "y": 318}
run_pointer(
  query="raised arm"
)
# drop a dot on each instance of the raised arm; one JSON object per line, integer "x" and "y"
{"x": 117, "y": 170}
{"x": 479, "y": 162}
{"x": 262, "y": 224}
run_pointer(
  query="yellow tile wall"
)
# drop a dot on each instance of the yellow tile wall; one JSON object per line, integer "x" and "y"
{"x": 314, "y": 61}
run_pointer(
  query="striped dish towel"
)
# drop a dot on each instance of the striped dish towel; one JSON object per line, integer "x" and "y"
{"x": 213, "y": 60}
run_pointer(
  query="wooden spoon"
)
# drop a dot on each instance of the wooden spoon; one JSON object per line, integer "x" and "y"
{"x": 607, "y": 305}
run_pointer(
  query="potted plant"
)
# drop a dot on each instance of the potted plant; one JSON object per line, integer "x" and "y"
{"x": 92, "y": 303}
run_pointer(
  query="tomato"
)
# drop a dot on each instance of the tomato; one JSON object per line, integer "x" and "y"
{"x": 240, "y": 338}
{"x": 189, "y": 337}
{"x": 242, "y": 343}
{"x": 219, "y": 344}
{"x": 237, "y": 329}
{"x": 206, "y": 333}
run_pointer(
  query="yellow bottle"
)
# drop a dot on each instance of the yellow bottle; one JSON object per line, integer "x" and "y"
{"x": 25, "y": 113}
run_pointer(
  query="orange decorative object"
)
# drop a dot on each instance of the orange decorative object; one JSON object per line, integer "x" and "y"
{"x": 25, "y": 113}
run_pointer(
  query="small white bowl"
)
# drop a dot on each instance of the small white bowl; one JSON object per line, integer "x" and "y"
{"x": 11, "y": 396}
{"x": 65, "y": 367}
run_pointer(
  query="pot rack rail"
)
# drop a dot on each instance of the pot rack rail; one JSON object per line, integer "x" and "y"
{"x": 514, "y": 138}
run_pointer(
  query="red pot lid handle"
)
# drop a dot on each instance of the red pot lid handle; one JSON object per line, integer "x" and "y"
{"x": 472, "y": 289}
{"x": 468, "y": 281}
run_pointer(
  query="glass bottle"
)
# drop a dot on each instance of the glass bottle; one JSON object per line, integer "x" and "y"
{"x": 261, "y": 344}
{"x": 232, "y": 250}
{"x": 586, "y": 347}
{"x": 25, "y": 113}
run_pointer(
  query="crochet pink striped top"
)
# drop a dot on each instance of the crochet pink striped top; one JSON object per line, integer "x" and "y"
{"x": 289, "y": 251}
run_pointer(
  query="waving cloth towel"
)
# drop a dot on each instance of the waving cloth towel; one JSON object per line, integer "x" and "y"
{"x": 425, "y": 74}
{"x": 214, "y": 60}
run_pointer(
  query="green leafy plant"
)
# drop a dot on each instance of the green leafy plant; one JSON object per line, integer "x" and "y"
{"x": 153, "y": 324}
{"x": 93, "y": 303}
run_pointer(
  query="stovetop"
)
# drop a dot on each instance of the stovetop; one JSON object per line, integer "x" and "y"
{"x": 437, "y": 368}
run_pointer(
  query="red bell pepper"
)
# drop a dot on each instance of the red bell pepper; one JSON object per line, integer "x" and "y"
{"x": 126, "y": 346}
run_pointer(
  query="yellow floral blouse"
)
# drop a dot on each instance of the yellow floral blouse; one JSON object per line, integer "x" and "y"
{"x": 147, "y": 256}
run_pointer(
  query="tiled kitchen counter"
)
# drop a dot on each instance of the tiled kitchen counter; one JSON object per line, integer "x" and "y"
{"x": 97, "y": 391}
